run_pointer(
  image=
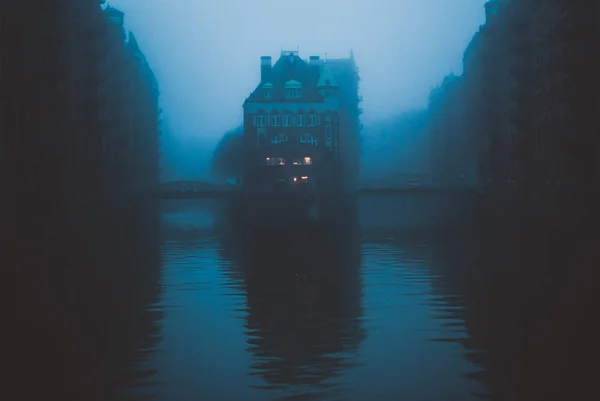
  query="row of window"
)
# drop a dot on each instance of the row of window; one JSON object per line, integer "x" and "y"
{"x": 305, "y": 138}
{"x": 288, "y": 120}
{"x": 289, "y": 94}
{"x": 280, "y": 161}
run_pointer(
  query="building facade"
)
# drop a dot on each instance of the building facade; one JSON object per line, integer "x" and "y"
{"x": 301, "y": 127}
{"x": 79, "y": 113}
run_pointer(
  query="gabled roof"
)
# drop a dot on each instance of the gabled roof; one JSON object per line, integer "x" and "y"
{"x": 290, "y": 68}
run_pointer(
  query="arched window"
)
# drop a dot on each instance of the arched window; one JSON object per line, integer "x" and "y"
{"x": 259, "y": 120}
{"x": 275, "y": 120}
{"x": 301, "y": 119}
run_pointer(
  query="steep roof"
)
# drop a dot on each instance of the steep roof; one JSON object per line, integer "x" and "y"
{"x": 291, "y": 71}
{"x": 345, "y": 74}
{"x": 290, "y": 68}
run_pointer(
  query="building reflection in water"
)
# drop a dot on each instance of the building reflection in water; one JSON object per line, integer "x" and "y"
{"x": 304, "y": 306}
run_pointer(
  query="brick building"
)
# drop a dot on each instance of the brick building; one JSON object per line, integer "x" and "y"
{"x": 301, "y": 126}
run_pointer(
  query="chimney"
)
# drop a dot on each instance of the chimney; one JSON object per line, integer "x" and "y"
{"x": 491, "y": 9}
{"x": 265, "y": 68}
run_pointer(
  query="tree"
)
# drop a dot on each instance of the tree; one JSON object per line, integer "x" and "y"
{"x": 228, "y": 157}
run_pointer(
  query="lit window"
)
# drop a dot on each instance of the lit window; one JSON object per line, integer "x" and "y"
{"x": 307, "y": 160}
{"x": 313, "y": 120}
{"x": 301, "y": 180}
{"x": 279, "y": 161}
{"x": 275, "y": 121}
{"x": 301, "y": 120}
{"x": 270, "y": 161}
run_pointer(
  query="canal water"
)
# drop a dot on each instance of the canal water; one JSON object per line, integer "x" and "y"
{"x": 367, "y": 313}
{"x": 406, "y": 303}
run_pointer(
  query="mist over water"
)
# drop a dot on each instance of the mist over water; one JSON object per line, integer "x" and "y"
{"x": 482, "y": 285}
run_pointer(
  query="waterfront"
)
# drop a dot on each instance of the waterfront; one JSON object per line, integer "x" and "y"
{"x": 376, "y": 313}
{"x": 172, "y": 304}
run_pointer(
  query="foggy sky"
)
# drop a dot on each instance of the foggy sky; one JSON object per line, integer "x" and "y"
{"x": 206, "y": 54}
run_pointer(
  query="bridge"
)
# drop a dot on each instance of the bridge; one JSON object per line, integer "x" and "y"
{"x": 399, "y": 184}
{"x": 192, "y": 190}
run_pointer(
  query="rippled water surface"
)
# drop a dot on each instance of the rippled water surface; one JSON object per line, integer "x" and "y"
{"x": 354, "y": 316}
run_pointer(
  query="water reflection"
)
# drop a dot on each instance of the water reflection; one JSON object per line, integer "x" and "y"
{"x": 285, "y": 315}
{"x": 216, "y": 314}
{"x": 416, "y": 323}
{"x": 304, "y": 308}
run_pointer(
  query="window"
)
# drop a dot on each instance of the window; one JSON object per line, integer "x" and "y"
{"x": 268, "y": 94}
{"x": 260, "y": 121}
{"x": 275, "y": 121}
{"x": 308, "y": 139}
{"x": 287, "y": 120}
{"x": 279, "y": 138}
{"x": 300, "y": 180}
{"x": 275, "y": 161}
{"x": 313, "y": 120}
{"x": 301, "y": 120}
{"x": 302, "y": 161}
{"x": 293, "y": 93}
{"x": 328, "y": 130}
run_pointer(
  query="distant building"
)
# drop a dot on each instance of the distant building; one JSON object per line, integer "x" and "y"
{"x": 301, "y": 127}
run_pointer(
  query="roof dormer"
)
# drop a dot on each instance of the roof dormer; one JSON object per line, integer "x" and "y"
{"x": 291, "y": 84}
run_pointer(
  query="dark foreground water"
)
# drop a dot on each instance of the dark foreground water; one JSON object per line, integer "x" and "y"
{"x": 391, "y": 308}
{"x": 363, "y": 314}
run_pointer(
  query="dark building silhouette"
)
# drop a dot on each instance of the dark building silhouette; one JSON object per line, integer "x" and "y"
{"x": 304, "y": 304}
{"x": 80, "y": 115}
{"x": 79, "y": 128}
{"x": 301, "y": 126}
{"x": 524, "y": 113}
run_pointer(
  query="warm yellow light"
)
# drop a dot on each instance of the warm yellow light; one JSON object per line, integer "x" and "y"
{"x": 295, "y": 179}
{"x": 305, "y": 178}
{"x": 307, "y": 160}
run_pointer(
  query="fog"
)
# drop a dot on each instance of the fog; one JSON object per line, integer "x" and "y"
{"x": 206, "y": 56}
